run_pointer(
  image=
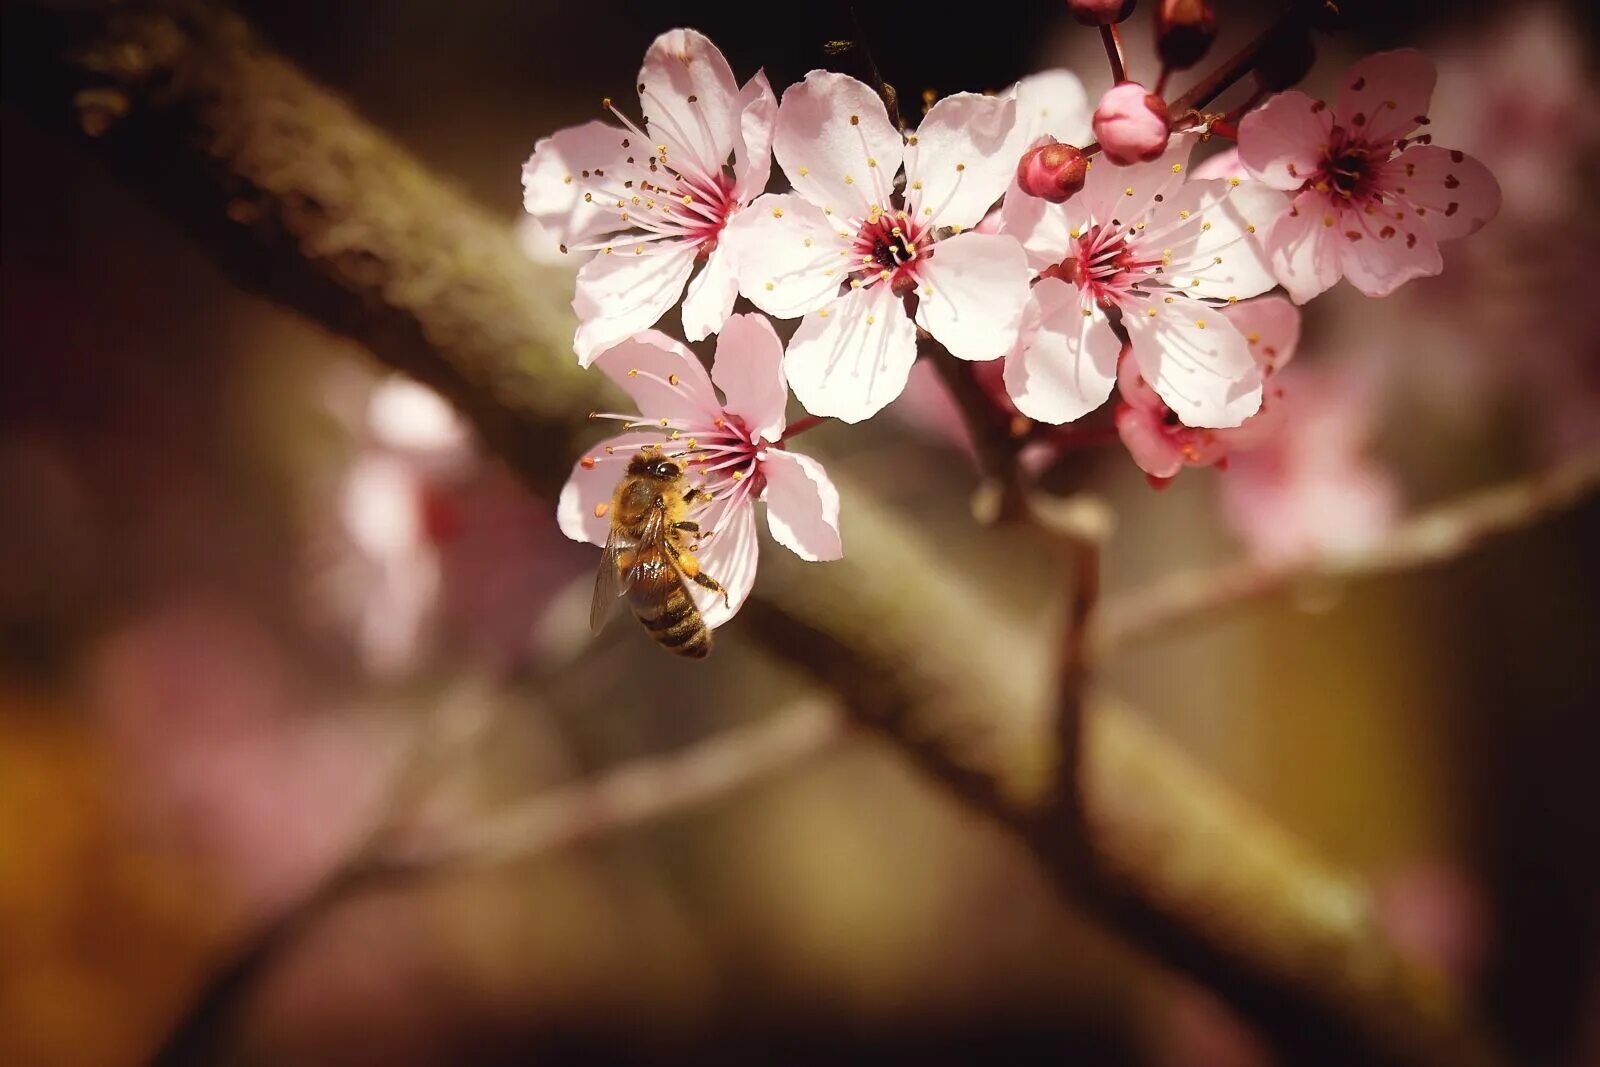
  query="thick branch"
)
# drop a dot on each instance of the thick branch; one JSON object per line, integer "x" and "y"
{"x": 1431, "y": 537}
{"x": 276, "y": 173}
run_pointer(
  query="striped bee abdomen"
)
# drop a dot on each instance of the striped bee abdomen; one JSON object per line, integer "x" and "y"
{"x": 673, "y": 620}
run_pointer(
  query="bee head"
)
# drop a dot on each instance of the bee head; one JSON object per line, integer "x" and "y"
{"x": 650, "y": 465}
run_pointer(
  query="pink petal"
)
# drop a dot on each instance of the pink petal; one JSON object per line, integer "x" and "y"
{"x": 1196, "y": 361}
{"x": 1301, "y": 248}
{"x": 752, "y": 152}
{"x": 748, "y": 368}
{"x": 1225, "y": 164}
{"x": 1145, "y": 438}
{"x": 1283, "y": 141}
{"x": 1132, "y": 386}
{"x": 662, "y": 376}
{"x": 972, "y": 294}
{"x": 820, "y": 148}
{"x": 786, "y": 255}
{"x": 963, "y": 157}
{"x": 1456, "y": 192}
{"x": 1381, "y": 251}
{"x": 1044, "y": 229}
{"x": 1385, "y": 96}
{"x": 730, "y": 557}
{"x": 710, "y": 297}
{"x": 802, "y": 505}
{"x": 851, "y": 358}
{"x": 593, "y": 480}
{"x": 1208, "y": 227}
{"x": 619, "y": 294}
{"x": 1271, "y": 326}
{"x": 1052, "y": 103}
{"x": 553, "y": 184}
{"x": 1106, "y": 192}
{"x": 690, "y": 101}
{"x": 1068, "y": 367}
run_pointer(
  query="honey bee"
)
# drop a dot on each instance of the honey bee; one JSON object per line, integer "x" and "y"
{"x": 648, "y": 558}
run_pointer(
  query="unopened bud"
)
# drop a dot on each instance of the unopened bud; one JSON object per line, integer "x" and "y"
{"x": 1286, "y": 58}
{"x": 1052, "y": 171}
{"x": 1184, "y": 32}
{"x": 1099, "y": 12}
{"x": 1131, "y": 124}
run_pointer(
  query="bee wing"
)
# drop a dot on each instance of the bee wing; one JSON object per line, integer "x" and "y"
{"x": 655, "y": 572}
{"x": 610, "y": 581}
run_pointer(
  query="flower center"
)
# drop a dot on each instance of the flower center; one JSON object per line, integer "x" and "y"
{"x": 887, "y": 248}
{"x": 1103, "y": 265}
{"x": 1348, "y": 169}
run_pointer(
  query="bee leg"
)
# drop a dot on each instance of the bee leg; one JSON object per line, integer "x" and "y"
{"x": 704, "y": 579}
{"x": 692, "y": 527}
{"x": 694, "y": 494}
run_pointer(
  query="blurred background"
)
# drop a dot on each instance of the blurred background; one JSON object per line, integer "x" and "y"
{"x": 240, "y": 563}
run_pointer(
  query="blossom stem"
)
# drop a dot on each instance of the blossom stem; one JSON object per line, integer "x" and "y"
{"x": 800, "y": 426}
{"x": 1243, "y": 62}
{"x": 1001, "y": 497}
{"x": 1114, "y": 54}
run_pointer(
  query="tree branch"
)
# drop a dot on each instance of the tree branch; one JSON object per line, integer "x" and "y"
{"x": 321, "y": 211}
{"x": 1437, "y": 535}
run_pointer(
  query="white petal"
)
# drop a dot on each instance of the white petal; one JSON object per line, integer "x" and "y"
{"x": 593, "y": 480}
{"x": 1069, "y": 366}
{"x": 1283, "y": 141}
{"x": 972, "y": 293}
{"x": 690, "y": 101}
{"x": 752, "y": 152}
{"x": 1127, "y": 194}
{"x": 1043, "y": 228}
{"x": 748, "y": 368}
{"x": 1053, "y": 102}
{"x": 619, "y": 294}
{"x": 662, "y": 376}
{"x": 730, "y": 557}
{"x": 830, "y": 160}
{"x": 786, "y": 255}
{"x": 962, "y": 158}
{"x": 1205, "y": 373}
{"x": 851, "y": 358}
{"x": 802, "y": 505}
{"x": 553, "y": 181}
{"x": 1206, "y": 225}
{"x": 711, "y": 295}
{"x": 1301, "y": 248}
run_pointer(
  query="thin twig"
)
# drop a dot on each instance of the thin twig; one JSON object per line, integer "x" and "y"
{"x": 1001, "y": 498}
{"x": 1113, "y": 42}
{"x": 1431, "y": 537}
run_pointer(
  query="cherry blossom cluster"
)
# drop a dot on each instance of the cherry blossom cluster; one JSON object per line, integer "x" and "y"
{"x": 1089, "y": 249}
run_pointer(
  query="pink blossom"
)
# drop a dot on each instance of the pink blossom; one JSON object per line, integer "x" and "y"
{"x": 1166, "y": 255}
{"x": 1371, "y": 203}
{"x": 1158, "y": 440}
{"x": 733, "y": 449}
{"x": 653, "y": 202}
{"x": 846, "y": 250}
{"x": 1131, "y": 124}
{"x": 1311, "y": 487}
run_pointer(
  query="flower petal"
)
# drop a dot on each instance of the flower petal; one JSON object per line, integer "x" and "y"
{"x": 972, "y": 294}
{"x": 752, "y": 152}
{"x": 1281, "y": 142}
{"x": 710, "y": 296}
{"x": 802, "y": 505}
{"x": 593, "y": 480}
{"x": 1207, "y": 229}
{"x": 621, "y": 293}
{"x": 1052, "y": 103}
{"x": 553, "y": 182}
{"x": 748, "y": 368}
{"x": 851, "y": 358}
{"x": 1143, "y": 435}
{"x": 1196, "y": 361}
{"x": 1068, "y": 367}
{"x": 1380, "y": 252}
{"x": 730, "y": 557}
{"x": 786, "y": 255}
{"x": 1043, "y": 228}
{"x": 1300, "y": 246}
{"x": 962, "y": 158}
{"x": 662, "y": 376}
{"x": 1386, "y": 95}
{"x": 835, "y": 143}
{"x": 690, "y": 101}
{"x": 1130, "y": 193}
{"x": 1225, "y": 164}
{"x": 1271, "y": 326}
{"x": 1456, "y": 192}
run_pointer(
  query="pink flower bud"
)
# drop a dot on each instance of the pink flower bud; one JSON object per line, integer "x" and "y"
{"x": 1052, "y": 171}
{"x": 1131, "y": 124}
{"x": 1184, "y": 31}
{"x": 1099, "y": 12}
